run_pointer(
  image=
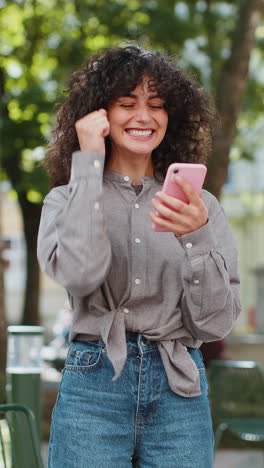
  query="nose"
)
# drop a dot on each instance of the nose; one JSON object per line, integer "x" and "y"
{"x": 143, "y": 114}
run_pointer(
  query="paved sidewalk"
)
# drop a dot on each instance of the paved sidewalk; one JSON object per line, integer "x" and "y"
{"x": 239, "y": 459}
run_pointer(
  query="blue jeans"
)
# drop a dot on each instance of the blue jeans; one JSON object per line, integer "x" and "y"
{"x": 135, "y": 421}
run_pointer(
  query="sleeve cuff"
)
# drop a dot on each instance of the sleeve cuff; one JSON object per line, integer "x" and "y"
{"x": 86, "y": 162}
{"x": 198, "y": 242}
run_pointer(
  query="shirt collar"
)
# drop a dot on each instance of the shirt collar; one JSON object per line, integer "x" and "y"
{"x": 124, "y": 179}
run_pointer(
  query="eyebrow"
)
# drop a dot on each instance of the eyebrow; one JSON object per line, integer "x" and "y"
{"x": 156, "y": 96}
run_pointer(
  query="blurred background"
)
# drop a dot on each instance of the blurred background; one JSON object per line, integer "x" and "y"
{"x": 221, "y": 43}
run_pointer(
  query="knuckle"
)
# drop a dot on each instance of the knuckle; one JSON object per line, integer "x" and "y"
{"x": 189, "y": 226}
{"x": 197, "y": 214}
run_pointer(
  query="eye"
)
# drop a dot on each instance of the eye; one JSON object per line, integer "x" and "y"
{"x": 127, "y": 105}
{"x": 156, "y": 104}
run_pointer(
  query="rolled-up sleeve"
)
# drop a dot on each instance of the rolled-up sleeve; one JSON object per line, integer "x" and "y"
{"x": 73, "y": 246}
{"x": 210, "y": 301}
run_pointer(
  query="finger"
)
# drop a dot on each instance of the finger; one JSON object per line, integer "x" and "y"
{"x": 188, "y": 222}
{"x": 173, "y": 202}
{"x": 168, "y": 225}
{"x": 103, "y": 122}
{"x": 106, "y": 130}
{"x": 190, "y": 193}
{"x": 165, "y": 210}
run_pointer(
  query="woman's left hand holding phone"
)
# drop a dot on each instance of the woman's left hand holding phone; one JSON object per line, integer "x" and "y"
{"x": 92, "y": 130}
{"x": 180, "y": 218}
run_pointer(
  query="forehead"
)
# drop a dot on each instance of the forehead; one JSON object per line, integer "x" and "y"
{"x": 146, "y": 87}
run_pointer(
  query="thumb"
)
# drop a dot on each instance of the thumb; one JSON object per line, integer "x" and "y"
{"x": 102, "y": 111}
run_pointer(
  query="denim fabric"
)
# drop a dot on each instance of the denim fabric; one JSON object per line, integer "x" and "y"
{"x": 135, "y": 421}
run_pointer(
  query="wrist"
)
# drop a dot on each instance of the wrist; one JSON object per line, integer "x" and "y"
{"x": 90, "y": 146}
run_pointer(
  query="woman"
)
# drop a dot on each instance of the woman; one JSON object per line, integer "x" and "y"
{"x": 134, "y": 390}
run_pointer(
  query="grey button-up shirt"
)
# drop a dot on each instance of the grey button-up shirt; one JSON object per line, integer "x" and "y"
{"x": 96, "y": 240}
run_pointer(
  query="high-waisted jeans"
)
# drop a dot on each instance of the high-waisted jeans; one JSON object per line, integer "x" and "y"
{"x": 135, "y": 421}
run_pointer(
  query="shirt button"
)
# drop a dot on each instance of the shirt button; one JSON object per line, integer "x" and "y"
{"x": 97, "y": 163}
{"x": 137, "y": 281}
{"x": 196, "y": 281}
{"x": 136, "y": 205}
{"x": 126, "y": 178}
{"x": 189, "y": 245}
{"x": 96, "y": 206}
{"x": 137, "y": 240}
{"x": 125, "y": 310}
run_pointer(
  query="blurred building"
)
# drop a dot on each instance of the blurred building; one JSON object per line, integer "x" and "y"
{"x": 243, "y": 201}
{"x": 52, "y": 296}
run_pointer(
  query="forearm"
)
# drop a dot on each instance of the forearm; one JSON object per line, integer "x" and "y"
{"x": 211, "y": 302}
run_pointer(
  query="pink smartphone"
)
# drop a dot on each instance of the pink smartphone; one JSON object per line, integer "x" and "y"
{"x": 194, "y": 174}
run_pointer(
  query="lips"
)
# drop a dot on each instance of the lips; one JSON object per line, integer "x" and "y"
{"x": 139, "y": 132}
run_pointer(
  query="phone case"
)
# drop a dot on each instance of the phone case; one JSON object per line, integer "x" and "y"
{"x": 194, "y": 174}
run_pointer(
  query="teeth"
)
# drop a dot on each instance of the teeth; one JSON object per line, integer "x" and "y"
{"x": 140, "y": 132}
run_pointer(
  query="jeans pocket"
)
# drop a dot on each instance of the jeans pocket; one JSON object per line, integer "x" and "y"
{"x": 83, "y": 357}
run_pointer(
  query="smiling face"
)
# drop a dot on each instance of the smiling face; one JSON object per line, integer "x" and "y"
{"x": 138, "y": 122}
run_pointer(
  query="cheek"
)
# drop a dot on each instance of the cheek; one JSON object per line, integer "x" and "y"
{"x": 116, "y": 123}
{"x": 164, "y": 125}
{"x": 163, "y": 122}
{"x": 166, "y": 119}
{"x": 114, "y": 126}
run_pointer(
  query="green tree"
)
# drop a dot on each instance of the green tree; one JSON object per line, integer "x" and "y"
{"x": 231, "y": 84}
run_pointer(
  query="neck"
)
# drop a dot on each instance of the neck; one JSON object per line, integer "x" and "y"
{"x": 135, "y": 168}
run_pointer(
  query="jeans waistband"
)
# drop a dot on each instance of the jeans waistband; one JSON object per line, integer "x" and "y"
{"x": 134, "y": 337}
{"x": 130, "y": 337}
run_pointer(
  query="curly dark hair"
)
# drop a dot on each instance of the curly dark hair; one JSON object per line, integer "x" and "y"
{"x": 115, "y": 73}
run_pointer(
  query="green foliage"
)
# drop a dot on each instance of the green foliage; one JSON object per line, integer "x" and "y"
{"x": 42, "y": 42}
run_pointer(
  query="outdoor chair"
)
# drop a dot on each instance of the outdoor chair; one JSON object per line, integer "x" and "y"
{"x": 17, "y": 409}
{"x": 237, "y": 397}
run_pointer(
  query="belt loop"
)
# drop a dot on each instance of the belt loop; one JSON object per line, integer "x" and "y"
{"x": 139, "y": 343}
{"x": 145, "y": 341}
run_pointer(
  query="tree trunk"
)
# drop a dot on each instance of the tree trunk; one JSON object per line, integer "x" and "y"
{"x": 31, "y": 217}
{"x": 231, "y": 85}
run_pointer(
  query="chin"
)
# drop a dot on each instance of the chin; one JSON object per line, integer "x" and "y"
{"x": 141, "y": 150}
